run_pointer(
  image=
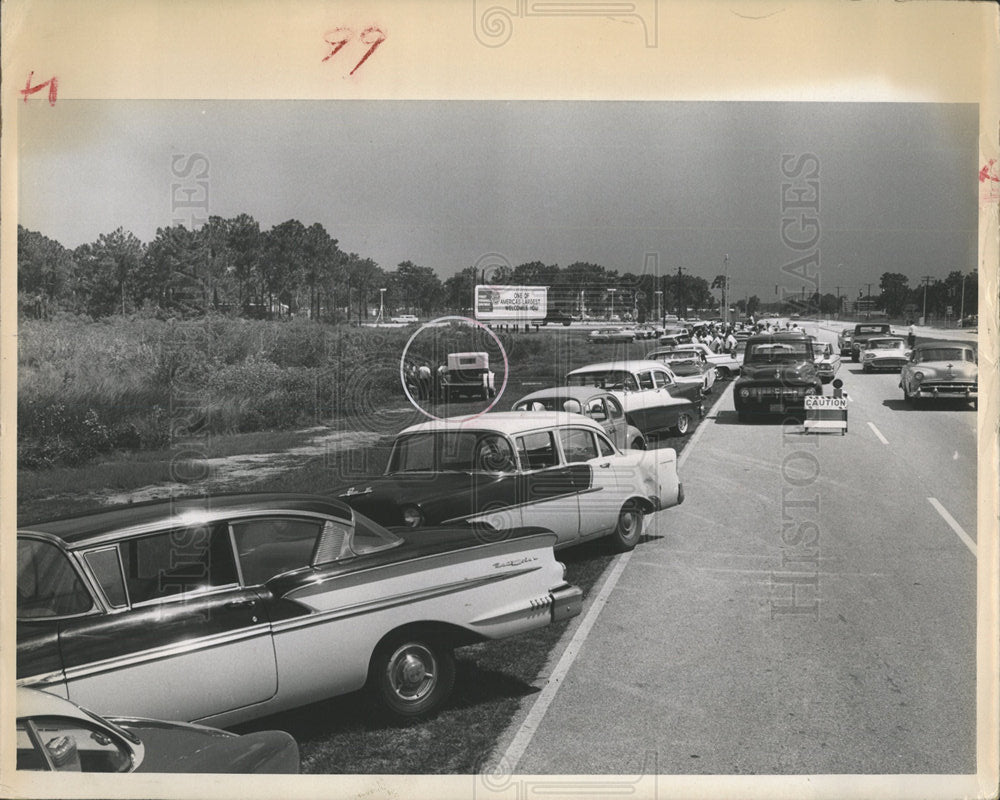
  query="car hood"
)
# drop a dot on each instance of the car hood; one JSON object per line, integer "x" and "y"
{"x": 947, "y": 369}
{"x": 381, "y": 498}
{"x": 786, "y": 373}
{"x": 181, "y": 747}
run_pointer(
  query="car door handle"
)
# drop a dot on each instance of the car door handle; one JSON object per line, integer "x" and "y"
{"x": 245, "y": 602}
{"x": 605, "y": 465}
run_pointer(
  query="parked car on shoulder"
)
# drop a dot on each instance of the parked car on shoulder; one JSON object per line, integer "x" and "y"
{"x": 405, "y": 319}
{"x": 653, "y": 397}
{"x": 602, "y": 407}
{"x": 779, "y": 371}
{"x": 880, "y": 353}
{"x": 685, "y": 364}
{"x": 499, "y": 471}
{"x": 612, "y": 335}
{"x": 226, "y": 608}
{"x": 941, "y": 370}
{"x": 557, "y": 317}
{"x": 468, "y": 374}
{"x": 55, "y": 735}
{"x": 726, "y": 365}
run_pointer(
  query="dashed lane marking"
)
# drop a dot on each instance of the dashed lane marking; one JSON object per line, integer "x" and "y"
{"x": 878, "y": 433}
{"x": 954, "y": 525}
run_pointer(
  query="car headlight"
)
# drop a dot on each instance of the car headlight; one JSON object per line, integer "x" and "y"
{"x": 744, "y": 392}
{"x": 810, "y": 390}
{"x": 869, "y": 356}
{"x": 412, "y": 517}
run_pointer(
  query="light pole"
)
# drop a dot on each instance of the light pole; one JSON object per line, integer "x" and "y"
{"x": 659, "y": 295}
{"x": 381, "y": 304}
{"x": 612, "y": 293}
{"x": 725, "y": 290}
{"x": 961, "y": 308}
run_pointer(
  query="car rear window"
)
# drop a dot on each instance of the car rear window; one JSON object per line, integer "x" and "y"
{"x": 945, "y": 354}
{"x": 537, "y": 450}
{"x": 47, "y": 583}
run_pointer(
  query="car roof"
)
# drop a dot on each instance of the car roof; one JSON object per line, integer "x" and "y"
{"x": 86, "y": 526}
{"x": 607, "y": 366}
{"x": 581, "y": 393}
{"x": 783, "y": 336}
{"x": 507, "y": 422}
{"x": 943, "y": 343}
{"x": 36, "y": 703}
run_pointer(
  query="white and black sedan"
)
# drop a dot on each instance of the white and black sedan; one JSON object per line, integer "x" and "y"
{"x": 602, "y": 407}
{"x": 941, "y": 371}
{"x": 227, "y": 608}
{"x": 500, "y": 471}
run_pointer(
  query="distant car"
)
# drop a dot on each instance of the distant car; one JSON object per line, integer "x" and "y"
{"x": 612, "y": 335}
{"x": 468, "y": 374}
{"x": 645, "y": 331}
{"x": 827, "y": 361}
{"x": 672, "y": 338}
{"x": 844, "y": 341}
{"x": 779, "y": 371}
{"x": 557, "y": 317}
{"x": 941, "y": 370}
{"x": 686, "y": 364}
{"x": 864, "y": 331}
{"x": 226, "y": 608}
{"x": 555, "y": 470}
{"x": 602, "y": 407}
{"x": 725, "y": 364}
{"x": 890, "y": 352}
{"x": 405, "y": 319}
{"x": 971, "y": 321}
{"x": 653, "y": 397}
{"x": 55, "y": 735}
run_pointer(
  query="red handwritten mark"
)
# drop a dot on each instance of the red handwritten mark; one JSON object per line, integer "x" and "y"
{"x": 52, "y": 83}
{"x": 338, "y": 37}
{"x": 987, "y": 173}
{"x": 374, "y": 44}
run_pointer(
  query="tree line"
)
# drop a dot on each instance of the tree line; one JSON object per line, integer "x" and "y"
{"x": 233, "y": 266}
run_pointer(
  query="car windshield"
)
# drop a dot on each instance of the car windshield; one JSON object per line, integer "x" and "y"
{"x": 604, "y": 379}
{"x": 777, "y": 352}
{"x": 872, "y": 329}
{"x": 944, "y": 354}
{"x": 452, "y": 451}
{"x": 551, "y": 403}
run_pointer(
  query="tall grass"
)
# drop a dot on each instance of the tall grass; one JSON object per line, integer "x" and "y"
{"x": 87, "y": 388}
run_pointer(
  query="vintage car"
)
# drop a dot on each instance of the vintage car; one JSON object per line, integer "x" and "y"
{"x": 844, "y": 341}
{"x": 653, "y": 397}
{"x": 686, "y": 364}
{"x": 503, "y": 470}
{"x": 225, "y": 608}
{"x": 612, "y": 335}
{"x": 864, "y": 331}
{"x": 888, "y": 352}
{"x": 672, "y": 338}
{"x": 468, "y": 374}
{"x": 827, "y": 361}
{"x": 405, "y": 319}
{"x": 779, "y": 371}
{"x": 941, "y": 370}
{"x": 557, "y": 317}
{"x": 602, "y": 407}
{"x": 55, "y": 735}
{"x": 726, "y": 365}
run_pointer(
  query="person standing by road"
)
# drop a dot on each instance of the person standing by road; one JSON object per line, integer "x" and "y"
{"x": 911, "y": 337}
{"x": 424, "y": 380}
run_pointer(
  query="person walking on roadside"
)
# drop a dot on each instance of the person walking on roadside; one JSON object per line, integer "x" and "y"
{"x": 911, "y": 337}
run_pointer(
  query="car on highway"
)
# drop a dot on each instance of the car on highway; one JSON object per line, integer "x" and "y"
{"x": 726, "y": 365}
{"x": 864, "y": 331}
{"x": 653, "y": 397}
{"x": 405, "y": 319}
{"x": 844, "y": 341}
{"x": 827, "y": 360}
{"x": 55, "y": 735}
{"x": 686, "y": 364}
{"x": 557, "y": 317}
{"x": 940, "y": 370}
{"x": 779, "y": 372}
{"x": 602, "y": 407}
{"x": 672, "y": 338}
{"x": 503, "y": 470}
{"x": 225, "y": 608}
{"x": 612, "y": 335}
{"x": 880, "y": 353}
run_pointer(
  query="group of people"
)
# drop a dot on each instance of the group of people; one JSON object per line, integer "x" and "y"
{"x": 421, "y": 381}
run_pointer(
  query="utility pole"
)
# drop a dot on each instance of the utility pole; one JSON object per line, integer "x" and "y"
{"x": 961, "y": 308}
{"x": 926, "y": 280}
{"x": 869, "y": 308}
{"x": 725, "y": 290}
{"x": 680, "y": 313}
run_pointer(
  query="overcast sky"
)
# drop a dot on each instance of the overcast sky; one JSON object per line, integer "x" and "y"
{"x": 441, "y": 183}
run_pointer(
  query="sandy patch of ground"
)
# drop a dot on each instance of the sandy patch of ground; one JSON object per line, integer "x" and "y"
{"x": 232, "y": 473}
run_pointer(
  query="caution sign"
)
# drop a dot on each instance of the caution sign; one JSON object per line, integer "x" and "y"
{"x": 826, "y": 413}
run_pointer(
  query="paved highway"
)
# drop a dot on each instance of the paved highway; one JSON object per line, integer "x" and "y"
{"x": 810, "y": 608}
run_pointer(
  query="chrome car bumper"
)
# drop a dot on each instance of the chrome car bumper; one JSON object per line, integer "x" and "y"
{"x": 567, "y": 602}
{"x": 956, "y": 390}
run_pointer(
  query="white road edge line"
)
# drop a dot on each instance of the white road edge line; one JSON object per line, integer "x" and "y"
{"x": 878, "y": 433}
{"x": 517, "y": 747}
{"x": 954, "y": 525}
{"x": 519, "y": 744}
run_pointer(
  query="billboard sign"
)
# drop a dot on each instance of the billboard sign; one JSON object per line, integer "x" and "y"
{"x": 511, "y": 303}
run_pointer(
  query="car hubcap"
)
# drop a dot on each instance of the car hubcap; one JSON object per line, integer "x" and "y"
{"x": 411, "y": 672}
